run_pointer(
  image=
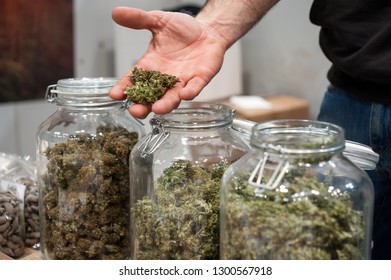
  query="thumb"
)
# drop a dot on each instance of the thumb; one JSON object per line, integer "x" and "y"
{"x": 134, "y": 18}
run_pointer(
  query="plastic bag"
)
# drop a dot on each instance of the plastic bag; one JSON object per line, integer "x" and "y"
{"x": 11, "y": 218}
{"x": 21, "y": 173}
{"x": 31, "y": 213}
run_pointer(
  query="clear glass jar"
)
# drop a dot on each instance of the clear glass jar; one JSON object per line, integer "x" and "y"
{"x": 83, "y": 153}
{"x": 175, "y": 191}
{"x": 296, "y": 196}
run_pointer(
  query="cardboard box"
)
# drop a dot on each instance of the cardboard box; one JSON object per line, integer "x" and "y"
{"x": 282, "y": 107}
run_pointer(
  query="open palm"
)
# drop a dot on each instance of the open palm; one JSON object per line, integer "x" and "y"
{"x": 180, "y": 46}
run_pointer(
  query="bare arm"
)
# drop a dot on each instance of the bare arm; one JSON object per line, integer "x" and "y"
{"x": 233, "y": 18}
{"x": 190, "y": 48}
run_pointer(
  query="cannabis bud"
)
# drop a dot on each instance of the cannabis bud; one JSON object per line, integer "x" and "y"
{"x": 181, "y": 220}
{"x": 300, "y": 219}
{"x": 148, "y": 85}
{"x": 86, "y": 196}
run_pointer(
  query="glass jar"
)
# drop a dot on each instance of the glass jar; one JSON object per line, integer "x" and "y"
{"x": 296, "y": 196}
{"x": 175, "y": 190}
{"x": 83, "y": 153}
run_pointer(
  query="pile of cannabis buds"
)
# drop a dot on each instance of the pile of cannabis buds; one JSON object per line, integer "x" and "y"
{"x": 148, "y": 85}
{"x": 86, "y": 196}
{"x": 181, "y": 219}
{"x": 291, "y": 222}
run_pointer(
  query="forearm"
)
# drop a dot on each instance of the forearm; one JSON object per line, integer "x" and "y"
{"x": 231, "y": 19}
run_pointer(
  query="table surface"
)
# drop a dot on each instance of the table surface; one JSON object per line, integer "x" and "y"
{"x": 29, "y": 254}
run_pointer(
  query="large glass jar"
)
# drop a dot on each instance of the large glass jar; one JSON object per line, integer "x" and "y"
{"x": 83, "y": 153}
{"x": 296, "y": 196}
{"x": 176, "y": 172}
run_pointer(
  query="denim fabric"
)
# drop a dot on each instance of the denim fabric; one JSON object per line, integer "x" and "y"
{"x": 370, "y": 124}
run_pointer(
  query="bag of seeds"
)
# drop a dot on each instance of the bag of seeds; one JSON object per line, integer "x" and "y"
{"x": 21, "y": 171}
{"x": 11, "y": 218}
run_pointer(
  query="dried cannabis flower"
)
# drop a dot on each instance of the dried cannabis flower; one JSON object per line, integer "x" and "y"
{"x": 181, "y": 220}
{"x": 148, "y": 85}
{"x": 301, "y": 219}
{"x": 86, "y": 196}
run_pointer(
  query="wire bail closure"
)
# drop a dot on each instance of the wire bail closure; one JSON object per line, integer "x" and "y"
{"x": 155, "y": 138}
{"x": 257, "y": 175}
{"x": 51, "y": 94}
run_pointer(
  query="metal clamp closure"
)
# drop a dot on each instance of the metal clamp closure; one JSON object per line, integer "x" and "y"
{"x": 51, "y": 94}
{"x": 155, "y": 138}
{"x": 125, "y": 104}
{"x": 257, "y": 175}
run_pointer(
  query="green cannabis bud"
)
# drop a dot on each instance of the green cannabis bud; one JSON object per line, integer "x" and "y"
{"x": 181, "y": 219}
{"x": 86, "y": 196}
{"x": 301, "y": 219}
{"x": 148, "y": 86}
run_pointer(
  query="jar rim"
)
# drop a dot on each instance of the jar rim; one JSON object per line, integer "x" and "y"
{"x": 86, "y": 85}
{"x": 297, "y": 136}
{"x": 360, "y": 154}
{"x": 197, "y": 115}
{"x": 83, "y": 92}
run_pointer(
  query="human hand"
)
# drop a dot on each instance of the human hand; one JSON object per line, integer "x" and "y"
{"x": 180, "y": 46}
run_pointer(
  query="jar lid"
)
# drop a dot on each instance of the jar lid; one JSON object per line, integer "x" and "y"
{"x": 85, "y": 85}
{"x": 87, "y": 90}
{"x": 362, "y": 155}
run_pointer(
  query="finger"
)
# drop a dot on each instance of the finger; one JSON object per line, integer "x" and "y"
{"x": 117, "y": 91}
{"x": 192, "y": 88}
{"x": 139, "y": 111}
{"x": 133, "y": 18}
{"x": 169, "y": 102}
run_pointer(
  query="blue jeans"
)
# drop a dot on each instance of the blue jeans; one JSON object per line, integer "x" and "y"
{"x": 370, "y": 124}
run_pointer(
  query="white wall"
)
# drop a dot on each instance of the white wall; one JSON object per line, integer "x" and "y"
{"x": 280, "y": 56}
{"x": 94, "y": 36}
{"x": 19, "y": 124}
